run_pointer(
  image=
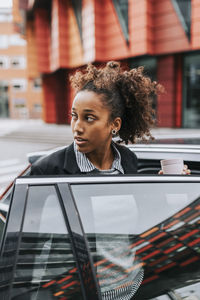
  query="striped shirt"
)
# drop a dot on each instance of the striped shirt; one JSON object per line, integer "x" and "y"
{"x": 86, "y": 166}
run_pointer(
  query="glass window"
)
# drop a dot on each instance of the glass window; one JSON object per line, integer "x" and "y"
{"x": 5, "y": 17}
{"x": 19, "y": 84}
{"x": 16, "y": 40}
{"x": 4, "y": 111}
{"x": 121, "y": 7}
{"x": 4, "y": 207}
{"x": 18, "y": 62}
{"x": 149, "y": 64}
{"x": 191, "y": 291}
{"x": 130, "y": 231}
{"x": 37, "y": 84}
{"x": 150, "y": 70}
{"x": 46, "y": 267}
{"x": 191, "y": 90}
{"x": 19, "y": 102}
{"x": 163, "y": 297}
{"x": 183, "y": 10}
{"x": 4, "y": 41}
{"x": 77, "y": 6}
{"x": 4, "y": 64}
{"x": 37, "y": 107}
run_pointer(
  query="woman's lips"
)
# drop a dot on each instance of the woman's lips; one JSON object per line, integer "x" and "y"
{"x": 80, "y": 141}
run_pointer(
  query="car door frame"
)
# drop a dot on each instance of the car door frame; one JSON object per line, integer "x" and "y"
{"x": 70, "y": 211}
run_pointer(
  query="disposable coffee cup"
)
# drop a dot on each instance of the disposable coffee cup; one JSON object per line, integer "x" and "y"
{"x": 172, "y": 166}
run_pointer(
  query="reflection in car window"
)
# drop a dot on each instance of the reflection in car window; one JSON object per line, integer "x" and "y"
{"x": 189, "y": 292}
{"x": 164, "y": 297}
{"x": 45, "y": 266}
{"x": 4, "y": 207}
{"x": 126, "y": 226}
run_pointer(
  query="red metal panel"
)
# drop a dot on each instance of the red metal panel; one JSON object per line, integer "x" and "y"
{"x": 110, "y": 42}
{"x": 169, "y": 34}
{"x": 55, "y": 98}
{"x": 166, "y": 101}
{"x": 42, "y": 31}
{"x": 195, "y": 25}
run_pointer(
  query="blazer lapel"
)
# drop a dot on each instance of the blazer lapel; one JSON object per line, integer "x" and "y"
{"x": 128, "y": 160}
{"x": 70, "y": 164}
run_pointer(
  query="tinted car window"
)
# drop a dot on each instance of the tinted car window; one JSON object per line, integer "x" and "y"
{"x": 4, "y": 207}
{"x": 141, "y": 228}
{"x": 45, "y": 266}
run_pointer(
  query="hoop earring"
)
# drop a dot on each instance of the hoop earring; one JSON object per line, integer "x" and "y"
{"x": 114, "y": 131}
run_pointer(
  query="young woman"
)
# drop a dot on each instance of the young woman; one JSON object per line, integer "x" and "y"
{"x": 109, "y": 102}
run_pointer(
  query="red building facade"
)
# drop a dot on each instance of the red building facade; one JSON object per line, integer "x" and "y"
{"x": 163, "y": 36}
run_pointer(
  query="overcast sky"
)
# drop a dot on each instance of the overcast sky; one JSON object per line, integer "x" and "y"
{"x": 5, "y": 3}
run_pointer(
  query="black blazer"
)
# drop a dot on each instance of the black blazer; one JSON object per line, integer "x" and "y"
{"x": 63, "y": 162}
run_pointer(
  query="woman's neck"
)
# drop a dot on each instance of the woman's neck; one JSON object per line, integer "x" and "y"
{"x": 102, "y": 159}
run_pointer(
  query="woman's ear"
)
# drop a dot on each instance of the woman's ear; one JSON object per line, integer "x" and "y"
{"x": 117, "y": 123}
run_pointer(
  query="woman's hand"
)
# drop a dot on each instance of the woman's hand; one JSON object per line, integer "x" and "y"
{"x": 185, "y": 171}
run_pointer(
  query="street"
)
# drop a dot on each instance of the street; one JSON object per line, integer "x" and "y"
{"x": 18, "y": 138}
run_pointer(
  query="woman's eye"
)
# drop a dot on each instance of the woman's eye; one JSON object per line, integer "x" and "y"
{"x": 90, "y": 119}
{"x": 73, "y": 116}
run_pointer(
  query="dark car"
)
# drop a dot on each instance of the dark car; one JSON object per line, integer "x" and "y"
{"x": 104, "y": 237}
{"x": 111, "y": 237}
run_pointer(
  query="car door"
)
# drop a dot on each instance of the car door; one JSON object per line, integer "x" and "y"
{"x": 109, "y": 237}
{"x": 143, "y": 234}
{"x": 43, "y": 253}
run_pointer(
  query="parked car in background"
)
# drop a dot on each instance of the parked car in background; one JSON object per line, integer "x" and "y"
{"x": 104, "y": 237}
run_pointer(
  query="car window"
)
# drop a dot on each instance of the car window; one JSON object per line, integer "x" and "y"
{"x": 4, "y": 207}
{"x": 45, "y": 267}
{"x": 136, "y": 229}
{"x": 163, "y": 297}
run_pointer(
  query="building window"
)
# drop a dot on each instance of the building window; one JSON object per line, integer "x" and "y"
{"x": 19, "y": 84}
{"x": 183, "y": 10}
{"x": 149, "y": 64}
{"x": 19, "y": 102}
{"x": 16, "y": 40}
{"x": 37, "y": 107}
{"x": 4, "y": 108}
{"x": 4, "y": 62}
{"x": 18, "y": 62}
{"x": 77, "y": 7}
{"x": 150, "y": 70}
{"x": 4, "y": 43}
{"x": 5, "y": 17}
{"x": 121, "y": 7}
{"x": 191, "y": 91}
{"x": 37, "y": 83}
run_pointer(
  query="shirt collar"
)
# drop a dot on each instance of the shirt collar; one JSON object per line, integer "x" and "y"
{"x": 86, "y": 166}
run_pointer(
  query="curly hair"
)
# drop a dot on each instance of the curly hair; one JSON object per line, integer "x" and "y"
{"x": 127, "y": 94}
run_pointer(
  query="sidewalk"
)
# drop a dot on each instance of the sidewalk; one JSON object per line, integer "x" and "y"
{"x": 35, "y": 131}
{"x": 39, "y": 131}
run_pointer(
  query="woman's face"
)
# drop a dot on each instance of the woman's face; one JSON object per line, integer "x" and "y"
{"x": 90, "y": 123}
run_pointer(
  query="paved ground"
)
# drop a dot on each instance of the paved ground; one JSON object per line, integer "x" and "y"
{"x": 37, "y": 131}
